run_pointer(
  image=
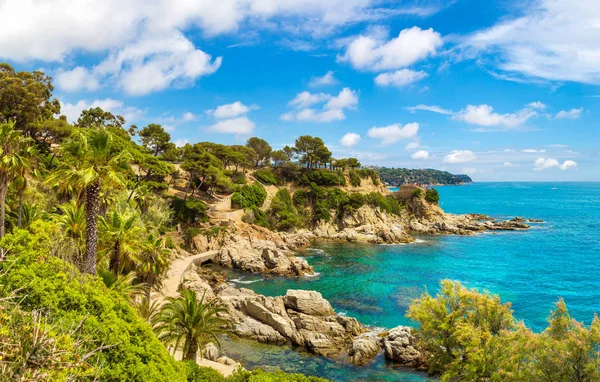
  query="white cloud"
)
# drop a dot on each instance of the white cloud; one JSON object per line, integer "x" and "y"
{"x": 373, "y": 52}
{"x": 73, "y": 111}
{"x": 569, "y": 114}
{"x": 546, "y": 163}
{"x": 421, "y": 154}
{"x": 231, "y": 110}
{"x": 327, "y": 79}
{"x": 79, "y": 78}
{"x": 346, "y": 99}
{"x": 432, "y": 108}
{"x": 554, "y": 40}
{"x": 460, "y": 156}
{"x": 412, "y": 146}
{"x": 239, "y": 126}
{"x": 484, "y": 115}
{"x": 188, "y": 117}
{"x": 534, "y": 151}
{"x": 169, "y": 128}
{"x": 306, "y": 99}
{"x": 350, "y": 139}
{"x": 537, "y": 105}
{"x": 470, "y": 171}
{"x": 400, "y": 77}
{"x": 510, "y": 165}
{"x": 332, "y": 110}
{"x": 394, "y": 133}
{"x": 181, "y": 142}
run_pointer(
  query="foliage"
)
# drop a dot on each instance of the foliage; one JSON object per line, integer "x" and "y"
{"x": 402, "y": 176}
{"x": 188, "y": 323}
{"x": 416, "y": 193}
{"x": 189, "y": 233}
{"x": 261, "y": 148}
{"x": 300, "y": 198}
{"x": 282, "y": 214}
{"x": 322, "y": 177}
{"x": 266, "y": 176}
{"x": 155, "y": 138}
{"x": 197, "y": 373}
{"x": 432, "y": 195}
{"x": 130, "y": 351}
{"x": 188, "y": 212}
{"x": 253, "y": 195}
{"x": 255, "y": 215}
{"x": 312, "y": 151}
{"x": 354, "y": 178}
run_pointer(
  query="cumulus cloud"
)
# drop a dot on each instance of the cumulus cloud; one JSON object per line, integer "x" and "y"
{"x": 327, "y": 79}
{"x": 484, "y": 115}
{"x": 432, "y": 108}
{"x": 460, "y": 156}
{"x": 400, "y": 78}
{"x": 231, "y": 110}
{"x": 350, "y": 139}
{"x": 537, "y": 105}
{"x": 546, "y": 163}
{"x": 421, "y": 154}
{"x": 79, "y": 78}
{"x": 332, "y": 110}
{"x": 534, "y": 151}
{"x": 239, "y": 126}
{"x": 375, "y": 53}
{"x": 181, "y": 142}
{"x": 510, "y": 165}
{"x": 394, "y": 133}
{"x": 188, "y": 117}
{"x": 569, "y": 114}
{"x": 552, "y": 40}
{"x": 73, "y": 110}
{"x": 412, "y": 146}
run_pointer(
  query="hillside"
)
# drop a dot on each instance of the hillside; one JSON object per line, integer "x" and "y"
{"x": 400, "y": 176}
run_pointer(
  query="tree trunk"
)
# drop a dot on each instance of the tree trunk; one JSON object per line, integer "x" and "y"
{"x": 92, "y": 210}
{"x": 3, "y": 191}
{"x": 20, "y": 210}
{"x": 114, "y": 263}
{"x": 190, "y": 355}
{"x": 187, "y": 188}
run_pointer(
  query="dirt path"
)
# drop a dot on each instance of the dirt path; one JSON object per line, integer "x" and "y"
{"x": 178, "y": 268}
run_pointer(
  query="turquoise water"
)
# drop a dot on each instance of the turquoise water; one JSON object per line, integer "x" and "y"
{"x": 531, "y": 269}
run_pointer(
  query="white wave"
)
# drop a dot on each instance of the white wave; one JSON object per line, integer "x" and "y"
{"x": 313, "y": 275}
{"x": 240, "y": 281}
{"x": 317, "y": 250}
{"x": 420, "y": 241}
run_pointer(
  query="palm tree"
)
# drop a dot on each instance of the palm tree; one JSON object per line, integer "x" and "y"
{"x": 89, "y": 164}
{"x": 27, "y": 168}
{"x": 72, "y": 222}
{"x": 12, "y": 145}
{"x": 153, "y": 262}
{"x": 188, "y": 324}
{"x": 121, "y": 238}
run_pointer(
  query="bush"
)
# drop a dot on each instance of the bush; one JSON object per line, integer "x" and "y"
{"x": 322, "y": 177}
{"x": 253, "y": 195}
{"x": 197, "y": 373}
{"x": 282, "y": 214}
{"x": 238, "y": 178}
{"x": 432, "y": 196}
{"x": 255, "y": 215}
{"x": 189, "y": 212}
{"x": 189, "y": 233}
{"x": 266, "y": 176}
{"x": 300, "y": 199}
{"x": 258, "y": 375}
{"x": 45, "y": 283}
{"x": 385, "y": 203}
{"x": 416, "y": 193}
{"x": 354, "y": 178}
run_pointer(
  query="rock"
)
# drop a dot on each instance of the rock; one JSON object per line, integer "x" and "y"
{"x": 211, "y": 352}
{"x": 228, "y": 361}
{"x": 400, "y": 346}
{"x": 307, "y": 302}
{"x": 191, "y": 280}
{"x": 363, "y": 350}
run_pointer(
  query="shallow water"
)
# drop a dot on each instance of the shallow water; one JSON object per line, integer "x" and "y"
{"x": 532, "y": 269}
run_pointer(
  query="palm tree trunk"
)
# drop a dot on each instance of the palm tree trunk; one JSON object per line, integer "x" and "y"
{"x": 20, "y": 210}
{"x": 92, "y": 210}
{"x": 115, "y": 258}
{"x": 3, "y": 191}
{"x": 192, "y": 350}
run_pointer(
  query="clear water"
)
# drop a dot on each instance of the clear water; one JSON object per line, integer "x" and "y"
{"x": 531, "y": 269}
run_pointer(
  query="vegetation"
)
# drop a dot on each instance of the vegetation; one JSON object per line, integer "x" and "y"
{"x": 432, "y": 196}
{"x": 266, "y": 176}
{"x": 248, "y": 196}
{"x": 402, "y": 176}
{"x": 203, "y": 374}
{"x": 471, "y": 336}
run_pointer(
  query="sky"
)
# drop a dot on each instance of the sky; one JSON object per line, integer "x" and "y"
{"x": 500, "y": 90}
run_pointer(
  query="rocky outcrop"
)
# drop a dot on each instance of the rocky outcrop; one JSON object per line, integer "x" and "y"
{"x": 363, "y": 350}
{"x": 400, "y": 346}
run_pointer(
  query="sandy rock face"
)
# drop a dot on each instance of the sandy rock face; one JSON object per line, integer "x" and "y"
{"x": 308, "y": 302}
{"x": 400, "y": 346}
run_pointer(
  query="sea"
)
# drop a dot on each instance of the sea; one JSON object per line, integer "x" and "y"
{"x": 558, "y": 258}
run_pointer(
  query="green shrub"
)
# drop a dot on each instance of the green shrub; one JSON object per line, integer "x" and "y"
{"x": 258, "y": 375}
{"x": 189, "y": 233}
{"x": 255, "y": 215}
{"x": 322, "y": 177}
{"x": 432, "y": 196}
{"x": 282, "y": 214}
{"x": 354, "y": 178}
{"x": 238, "y": 178}
{"x": 188, "y": 212}
{"x": 253, "y": 195}
{"x": 45, "y": 283}
{"x": 300, "y": 199}
{"x": 266, "y": 176}
{"x": 385, "y": 203}
{"x": 197, "y": 373}
{"x": 416, "y": 193}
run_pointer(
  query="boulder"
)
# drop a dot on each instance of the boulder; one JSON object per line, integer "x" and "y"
{"x": 308, "y": 302}
{"x": 191, "y": 280}
{"x": 211, "y": 352}
{"x": 363, "y": 350}
{"x": 400, "y": 346}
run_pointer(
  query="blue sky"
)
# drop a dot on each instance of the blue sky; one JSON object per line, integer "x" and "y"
{"x": 500, "y": 90}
